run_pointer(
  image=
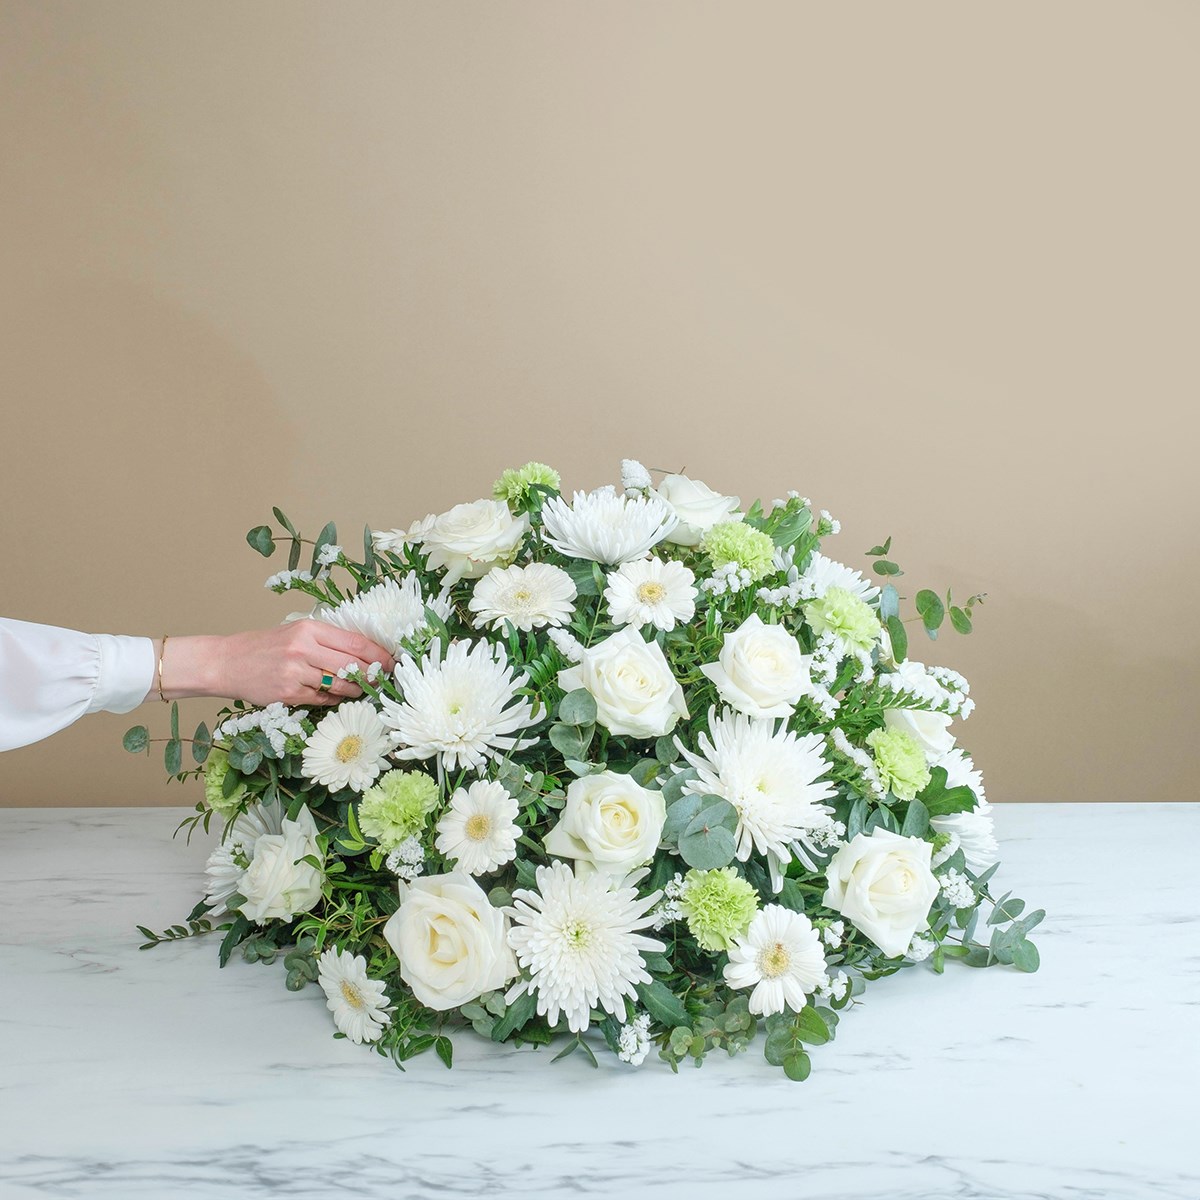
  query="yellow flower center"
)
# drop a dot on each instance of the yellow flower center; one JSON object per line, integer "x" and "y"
{"x": 478, "y": 826}
{"x": 651, "y": 592}
{"x": 577, "y": 935}
{"x": 349, "y": 748}
{"x": 352, "y": 995}
{"x": 774, "y": 961}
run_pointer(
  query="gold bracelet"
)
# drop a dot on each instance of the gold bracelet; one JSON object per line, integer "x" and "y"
{"x": 161, "y": 649}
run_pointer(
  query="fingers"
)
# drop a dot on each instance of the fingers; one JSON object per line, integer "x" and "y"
{"x": 355, "y": 645}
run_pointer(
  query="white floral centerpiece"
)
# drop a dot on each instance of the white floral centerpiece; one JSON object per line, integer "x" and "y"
{"x": 651, "y": 771}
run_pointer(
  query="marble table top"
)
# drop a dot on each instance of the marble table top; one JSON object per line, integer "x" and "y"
{"x": 154, "y": 1074}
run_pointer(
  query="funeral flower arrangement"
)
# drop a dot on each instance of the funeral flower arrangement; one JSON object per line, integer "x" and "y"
{"x": 651, "y": 771}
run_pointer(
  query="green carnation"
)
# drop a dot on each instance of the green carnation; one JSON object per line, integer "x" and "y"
{"x": 736, "y": 542}
{"x": 216, "y": 768}
{"x": 848, "y": 616}
{"x": 900, "y": 762}
{"x": 396, "y": 807}
{"x": 513, "y": 486}
{"x": 718, "y": 906}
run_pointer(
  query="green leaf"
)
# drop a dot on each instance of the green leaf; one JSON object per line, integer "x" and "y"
{"x": 294, "y": 554}
{"x": 368, "y": 549}
{"x": 444, "y": 1048}
{"x": 797, "y": 1066}
{"x": 889, "y": 602}
{"x": 175, "y": 721}
{"x": 886, "y": 567}
{"x": 662, "y": 1003}
{"x": 960, "y": 620}
{"x": 931, "y": 608}
{"x": 916, "y": 820}
{"x": 136, "y": 739}
{"x": 792, "y": 528}
{"x": 673, "y": 788}
{"x": 880, "y": 551}
{"x": 516, "y": 1016}
{"x": 526, "y": 873}
{"x": 201, "y": 743}
{"x": 1025, "y": 956}
{"x": 326, "y": 537}
{"x": 173, "y": 756}
{"x": 899, "y": 636}
{"x": 237, "y": 931}
{"x": 580, "y": 570}
{"x": 665, "y": 750}
{"x": 570, "y": 740}
{"x": 857, "y": 818}
{"x": 261, "y": 540}
{"x": 278, "y": 514}
{"x": 1006, "y": 910}
{"x": 708, "y": 840}
{"x": 577, "y": 708}
{"x": 679, "y": 817}
{"x": 645, "y": 771}
{"x": 810, "y": 1027}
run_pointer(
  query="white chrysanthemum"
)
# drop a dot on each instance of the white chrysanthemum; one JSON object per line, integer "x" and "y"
{"x": 226, "y": 866}
{"x": 530, "y": 597}
{"x": 607, "y": 528}
{"x": 773, "y": 779}
{"x": 479, "y": 828}
{"x": 975, "y": 831}
{"x": 395, "y": 540}
{"x": 348, "y": 748}
{"x": 464, "y": 708}
{"x": 578, "y": 939}
{"x": 823, "y": 573}
{"x": 780, "y": 957}
{"x": 387, "y": 613}
{"x": 357, "y": 1001}
{"x": 652, "y": 591}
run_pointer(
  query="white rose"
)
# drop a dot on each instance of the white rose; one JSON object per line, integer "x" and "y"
{"x": 631, "y": 682}
{"x": 761, "y": 670}
{"x": 610, "y": 823}
{"x": 930, "y": 730}
{"x": 276, "y": 884}
{"x": 471, "y": 538}
{"x": 883, "y": 885}
{"x": 697, "y": 506}
{"x": 451, "y": 943}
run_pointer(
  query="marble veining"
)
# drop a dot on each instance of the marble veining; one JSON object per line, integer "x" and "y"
{"x": 153, "y": 1074}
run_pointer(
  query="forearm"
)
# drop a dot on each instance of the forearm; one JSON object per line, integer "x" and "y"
{"x": 192, "y": 665}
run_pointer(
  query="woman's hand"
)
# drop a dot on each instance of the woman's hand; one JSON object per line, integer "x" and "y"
{"x": 280, "y": 664}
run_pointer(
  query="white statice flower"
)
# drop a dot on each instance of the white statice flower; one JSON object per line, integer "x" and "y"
{"x": 578, "y": 938}
{"x": 957, "y": 889}
{"x": 823, "y": 573}
{"x": 635, "y": 477}
{"x": 835, "y": 988}
{"x": 388, "y": 613}
{"x": 358, "y": 1002}
{"x": 973, "y": 831}
{"x": 283, "y": 581}
{"x": 348, "y": 748}
{"x": 780, "y": 957}
{"x": 567, "y": 644}
{"x": 464, "y": 707}
{"x": 329, "y": 554}
{"x": 470, "y": 539}
{"x": 669, "y": 909}
{"x": 479, "y": 830}
{"x": 227, "y": 864}
{"x": 529, "y": 597}
{"x": 277, "y": 722}
{"x": 407, "y": 860}
{"x": 396, "y": 541}
{"x": 833, "y": 933}
{"x": 633, "y": 1042}
{"x": 652, "y": 591}
{"x": 921, "y": 948}
{"x": 773, "y": 778}
{"x": 606, "y": 528}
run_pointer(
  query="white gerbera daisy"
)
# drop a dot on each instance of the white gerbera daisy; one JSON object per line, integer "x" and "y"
{"x": 780, "y": 957}
{"x": 530, "y": 597}
{"x": 348, "y": 748}
{"x": 578, "y": 939}
{"x": 823, "y": 573}
{"x": 464, "y": 708}
{"x": 478, "y": 829}
{"x": 773, "y": 778}
{"x": 651, "y": 592}
{"x": 357, "y": 1001}
{"x": 227, "y": 864}
{"x": 387, "y": 613}
{"x": 607, "y": 528}
{"x": 974, "y": 831}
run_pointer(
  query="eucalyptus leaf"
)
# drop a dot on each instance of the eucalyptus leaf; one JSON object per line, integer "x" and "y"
{"x": 899, "y": 638}
{"x": 577, "y": 708}
{"x": 261, "y": 540}
{"x": 136, "y": 739}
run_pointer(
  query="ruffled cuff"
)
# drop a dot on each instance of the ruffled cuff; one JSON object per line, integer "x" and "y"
{"x": 126, "y": 673}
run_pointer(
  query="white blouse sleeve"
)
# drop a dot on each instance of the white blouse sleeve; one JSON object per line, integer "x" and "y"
{"x": 50, "y": 677}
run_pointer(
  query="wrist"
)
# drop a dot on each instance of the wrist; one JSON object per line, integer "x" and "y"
{"x": 192, "y": 666}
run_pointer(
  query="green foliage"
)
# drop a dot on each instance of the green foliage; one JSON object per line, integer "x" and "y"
{"x": 261, "y": 540}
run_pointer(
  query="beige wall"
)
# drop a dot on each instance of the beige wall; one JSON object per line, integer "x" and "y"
{"x": 934, "y": 265}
